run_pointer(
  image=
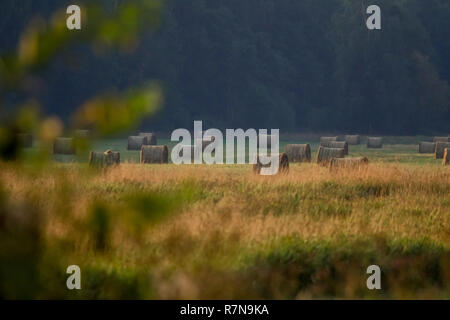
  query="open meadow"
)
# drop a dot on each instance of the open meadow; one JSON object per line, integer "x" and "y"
{"x": 222, "y": 232}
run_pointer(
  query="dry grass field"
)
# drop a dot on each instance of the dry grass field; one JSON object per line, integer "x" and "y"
{"x": 198, "y": 231}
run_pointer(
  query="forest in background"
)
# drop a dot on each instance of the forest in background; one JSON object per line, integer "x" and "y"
{"x": 300, "y": 66}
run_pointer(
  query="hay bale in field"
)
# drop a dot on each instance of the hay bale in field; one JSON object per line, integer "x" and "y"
{"x": 25, "y": 140}
{"x": 64, "y": 146}
{"x": 324, "y": 154}
{"x": 375, "y": 142}
{"x": 267, "y": 169}
{"x": 298, "y": 152}
{"x": 446, "y": 158}
{"x": 136, "y": 142}
{"x": 348, "y": 163}
{"x": 336, "y": 144}
{"x": 439, "y": 150}
{"x": 353, "y": 139}
{"x": 441, "y": 139}
{"x": 114, "y": 156}
{"x": 151, "y": 138}
{"x": 154, "y": 154}
{"x": 328, "y": 139}
{"x": 104, "y": 159}
{"x": 427, "y": 147}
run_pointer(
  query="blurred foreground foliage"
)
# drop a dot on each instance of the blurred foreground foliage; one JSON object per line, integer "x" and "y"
{"x": 43, "y": 41}
{"x": 32, "y": 262}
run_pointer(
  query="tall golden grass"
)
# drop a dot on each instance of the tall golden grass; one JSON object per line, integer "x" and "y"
{"x": 227, "y": 214}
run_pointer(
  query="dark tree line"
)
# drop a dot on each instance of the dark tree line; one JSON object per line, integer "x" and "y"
{"x": 309, "y": 65}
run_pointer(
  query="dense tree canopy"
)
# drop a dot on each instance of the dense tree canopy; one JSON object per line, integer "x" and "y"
{"x": 295, "y": 65}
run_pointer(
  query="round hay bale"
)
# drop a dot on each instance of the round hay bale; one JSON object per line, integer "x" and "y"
{"x": 441, "y": 139}
{"x": 25, "y": 140}
{"x": 440, "y": 148}
{"x": 353, "y": 139}
{"x": 348, "y": 163}
{"x": 298, "y": 152}
{"x": 446, "y": 158}
{"x": 427, "y": 147}
{"x": 154, "y": 154}
{"x": 324, "y": 154}
{"x": 328, "y": 139}
{"x": 375, "y": 142}
{"x": 64, "y": 146}
{"x": 283, "y": 166}
{"x": 151, "y": 138}
{"x": 336, "y": 144}
{"x": 113, "y": 156}
{"x": 104, "y": 159}
{"x": 136, "y": 142}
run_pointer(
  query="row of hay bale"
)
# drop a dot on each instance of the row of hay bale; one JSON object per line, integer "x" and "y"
{"x": 437, "y": 148}
{"x": 334, "y": 157}
{"x": 327, "y": 151}
{"x": 148, "y": 154}
{"x": 371, "y": 142}
{"x": 327, "y": 156}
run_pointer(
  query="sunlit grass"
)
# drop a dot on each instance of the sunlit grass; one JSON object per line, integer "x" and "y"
{"x": 198, "y": 231}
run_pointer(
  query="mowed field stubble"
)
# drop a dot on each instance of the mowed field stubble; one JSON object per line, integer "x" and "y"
{"x": 200, "y": 231}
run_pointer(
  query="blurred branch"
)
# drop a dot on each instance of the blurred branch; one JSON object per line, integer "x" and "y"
{"x": 43, "y": 40}
{"x": 113, "y": 113}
